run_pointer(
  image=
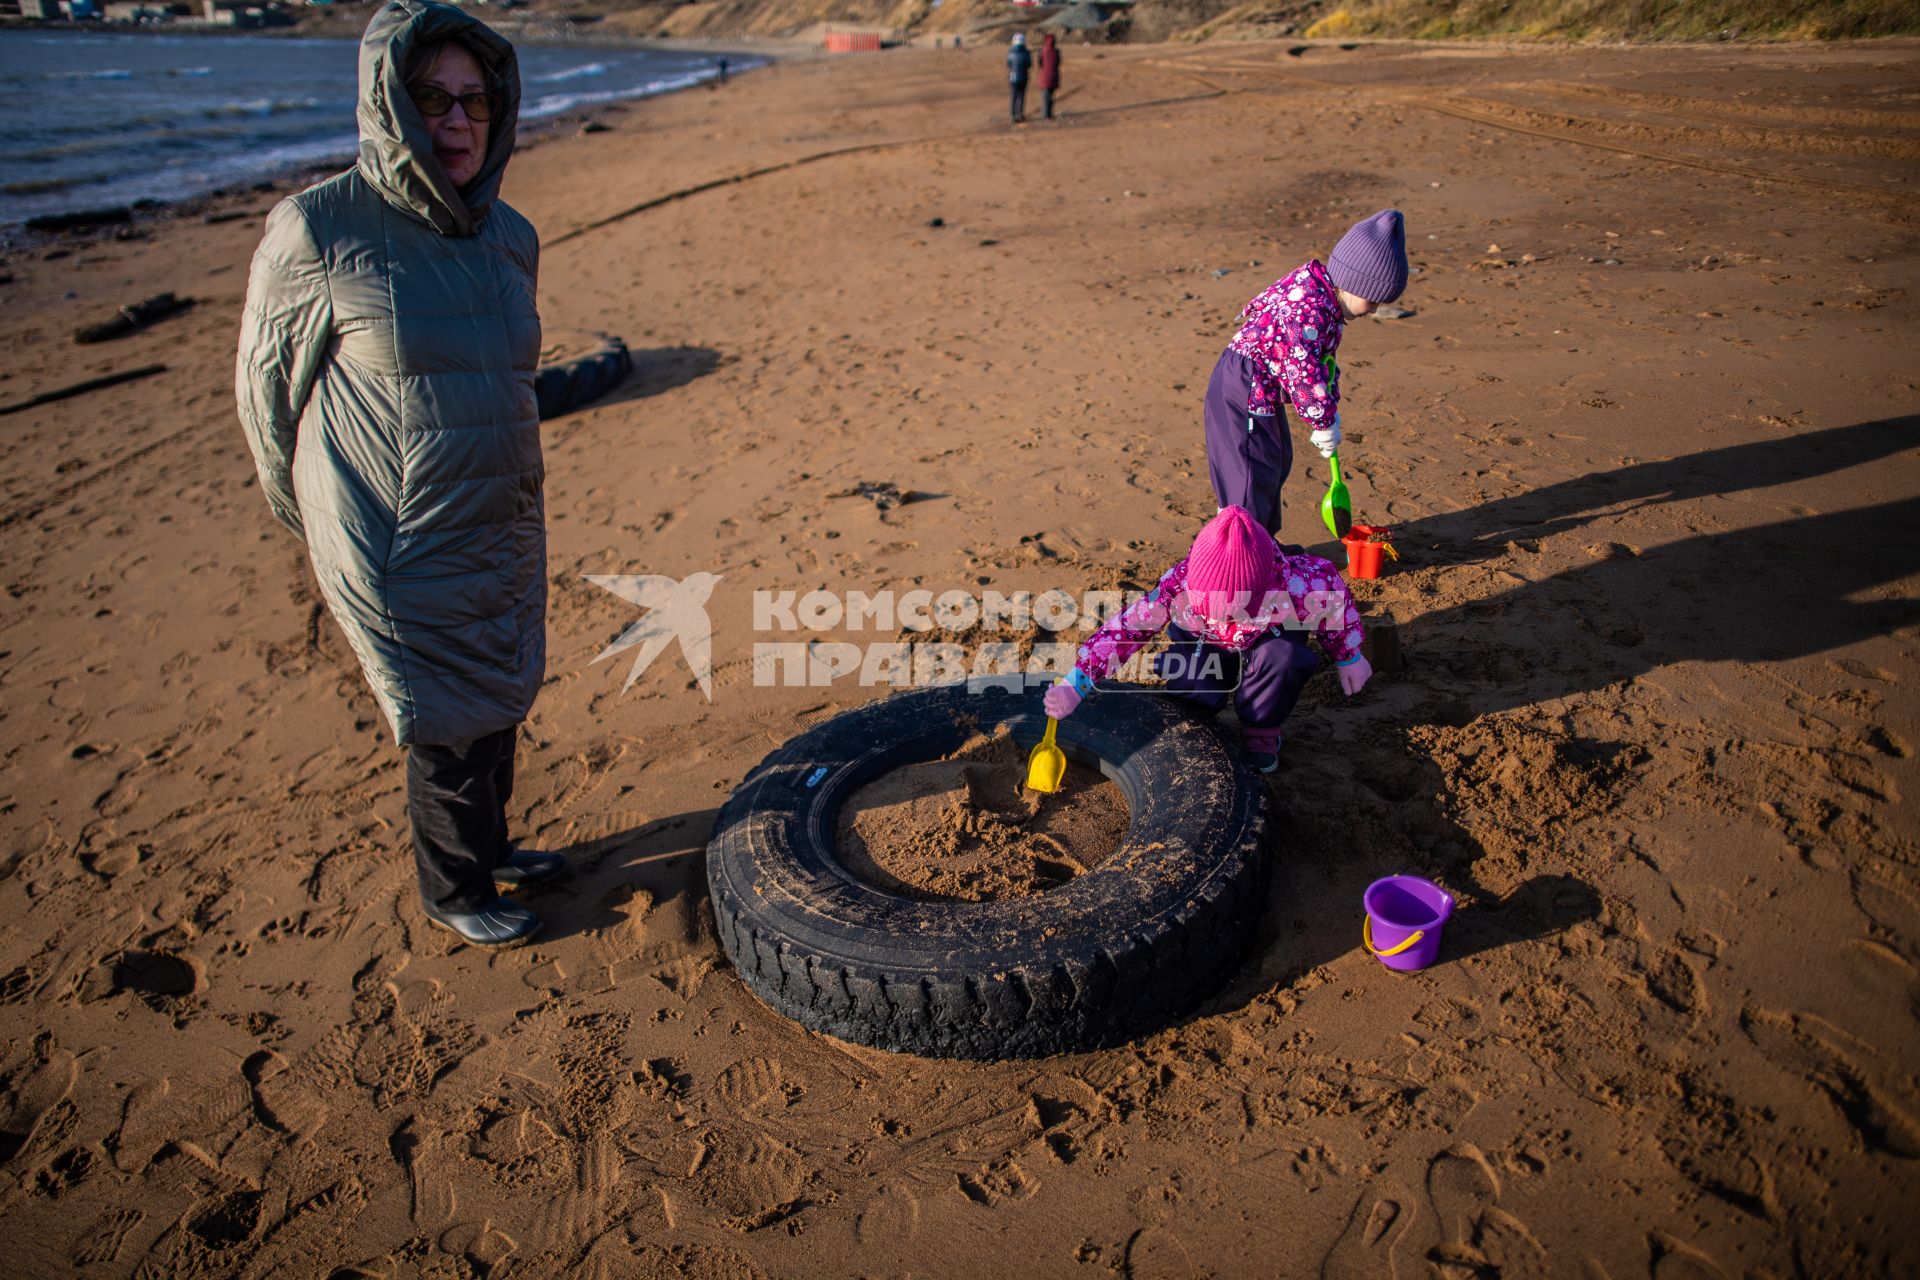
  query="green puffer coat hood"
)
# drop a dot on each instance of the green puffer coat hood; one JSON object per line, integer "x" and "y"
{"x": 385, "y": 381}
{"x": 393, "y": 133}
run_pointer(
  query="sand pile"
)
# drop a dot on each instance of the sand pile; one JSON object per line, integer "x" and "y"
{"x": 966, "y": 828}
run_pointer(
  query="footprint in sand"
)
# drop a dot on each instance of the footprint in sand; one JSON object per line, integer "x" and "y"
{"x": 516, "y": 1141}
{"x": 1882, "y": 973}
{"x": 1876, "y": 1099}
{"x": 29, "y": 1093}
{"x": 307, "y": 1233}
{"x": 101, "y": 1242}
{"x": 1475, "y": 1235}
{"x": 892, "y": 1216}
{"x": 164, "y": 981}
{"x": 689, "y": 1262}
{"x": 1461, "y": 1185}
{"x": 1153, "y": 1253}
{"x": 146, "y": 1125}
{"x": 1673, "y": 980}
{"x": 477, "y": 1243}
{"x": 747, "y": 1179}
{"x": 1365, "y": 1250}
{"x": 283, "y": 1097}
{"x": 754, "y": 1083}
{"x": 1675, "y": 1261}
{"x": 1888, "y": 902}
{"x": 994, "y": 1184}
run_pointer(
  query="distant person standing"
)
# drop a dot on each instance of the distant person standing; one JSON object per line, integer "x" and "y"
{"x": 1049, "y": 73}
{"x": 722, "y": 63}
{"x": 1019, "y": 63}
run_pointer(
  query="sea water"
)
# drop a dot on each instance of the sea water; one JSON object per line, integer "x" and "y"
{"x": 101, "y": 119}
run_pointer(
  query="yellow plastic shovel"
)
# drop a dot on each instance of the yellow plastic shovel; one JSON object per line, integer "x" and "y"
{"x": 1047, "y": 765}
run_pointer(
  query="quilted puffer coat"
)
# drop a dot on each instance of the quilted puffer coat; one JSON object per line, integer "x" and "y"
{"x": 385, "y": 380}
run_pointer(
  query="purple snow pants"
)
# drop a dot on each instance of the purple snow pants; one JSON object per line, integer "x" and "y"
{"x": 1248, "y": 457}
{"x": 1264, "y": 682}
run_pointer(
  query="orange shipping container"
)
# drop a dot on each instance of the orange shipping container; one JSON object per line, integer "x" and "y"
{"x": 852, "y": 42}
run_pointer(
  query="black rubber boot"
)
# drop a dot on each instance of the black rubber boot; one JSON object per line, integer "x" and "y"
{"x": 496, "y": 926}
{"x": 524, "y": 868}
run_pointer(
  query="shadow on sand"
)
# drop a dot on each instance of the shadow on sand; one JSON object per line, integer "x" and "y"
{"x": 664, "y": 861}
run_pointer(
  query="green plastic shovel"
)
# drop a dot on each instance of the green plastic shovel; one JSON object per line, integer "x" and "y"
{"x": 1336, "y": 509}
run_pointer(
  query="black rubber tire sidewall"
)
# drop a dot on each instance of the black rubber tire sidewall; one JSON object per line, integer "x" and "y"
{"x": 1134, "y": 942}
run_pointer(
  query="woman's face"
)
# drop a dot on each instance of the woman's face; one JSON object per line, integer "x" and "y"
{"x": 459, "y": 141}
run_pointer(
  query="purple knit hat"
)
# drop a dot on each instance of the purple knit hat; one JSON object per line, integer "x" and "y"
{"x": 1371, "y": 259}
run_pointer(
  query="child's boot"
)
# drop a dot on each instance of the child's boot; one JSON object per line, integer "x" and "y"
{"x": 1262, "y": 747}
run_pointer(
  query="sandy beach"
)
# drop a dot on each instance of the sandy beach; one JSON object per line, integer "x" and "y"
{"x": 1648, "y": 442}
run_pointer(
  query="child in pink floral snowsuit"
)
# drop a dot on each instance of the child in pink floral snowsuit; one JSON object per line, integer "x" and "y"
{"x": 1236, "y": 612}
{"x": 1283, "y": 354}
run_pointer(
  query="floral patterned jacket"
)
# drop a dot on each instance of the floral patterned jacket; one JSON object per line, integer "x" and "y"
{"x": 1290, "y": 333}
{"x": 1314, "y": 596}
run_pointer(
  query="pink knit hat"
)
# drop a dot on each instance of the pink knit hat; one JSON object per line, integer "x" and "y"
{"x": 1231, "y": 565}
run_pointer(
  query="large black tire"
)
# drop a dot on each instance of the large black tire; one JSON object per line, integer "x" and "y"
{"x": 1124, "y": 948}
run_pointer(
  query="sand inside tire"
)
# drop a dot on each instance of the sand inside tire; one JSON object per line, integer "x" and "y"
{"x": 965, "y": 828}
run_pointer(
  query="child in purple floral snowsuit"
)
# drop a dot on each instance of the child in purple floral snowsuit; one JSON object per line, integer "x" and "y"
{"x": 1236, "y": 612}
{"x": 1283, "y": 354}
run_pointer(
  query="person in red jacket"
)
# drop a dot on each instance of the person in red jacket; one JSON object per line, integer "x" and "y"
{"x": 1049, "y": 73}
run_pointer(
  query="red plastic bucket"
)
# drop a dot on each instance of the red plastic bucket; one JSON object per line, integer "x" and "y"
{"x": 1366, "y": 544}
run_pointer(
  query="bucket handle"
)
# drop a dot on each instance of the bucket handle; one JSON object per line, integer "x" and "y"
{"x": 1366, "y": 935}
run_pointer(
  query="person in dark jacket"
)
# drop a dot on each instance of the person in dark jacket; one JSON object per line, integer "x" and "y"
{"x": 1049, "y": 73}
{"x": 386, "y": 385}
{"x": 1019, "y": 63}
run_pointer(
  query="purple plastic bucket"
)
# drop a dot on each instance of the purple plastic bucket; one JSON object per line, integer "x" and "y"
{"x": 1404, "y": 917}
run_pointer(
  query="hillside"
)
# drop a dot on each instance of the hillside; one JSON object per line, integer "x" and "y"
{"x": 1622, "y": 19}
{"x": 1148, "y": 21}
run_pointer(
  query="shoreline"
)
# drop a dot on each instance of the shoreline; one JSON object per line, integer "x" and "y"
{"x": 546, "y": 34}
{"x": 84, "y": 219}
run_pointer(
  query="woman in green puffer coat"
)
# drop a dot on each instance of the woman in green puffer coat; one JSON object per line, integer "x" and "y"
{"x": 385, "y": 379}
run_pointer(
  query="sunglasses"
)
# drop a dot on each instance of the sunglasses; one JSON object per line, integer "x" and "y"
{"x": 434, "y": 103}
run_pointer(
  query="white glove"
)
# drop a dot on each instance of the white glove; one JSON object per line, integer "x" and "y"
{"x": 1327, "y": 439}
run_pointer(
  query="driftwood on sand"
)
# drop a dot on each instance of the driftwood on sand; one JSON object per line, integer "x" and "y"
{"x": 81, "y": 388}
{"x": 133, "y": 317}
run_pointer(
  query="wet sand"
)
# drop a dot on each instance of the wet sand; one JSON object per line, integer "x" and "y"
{"x": 1651, "y": 465}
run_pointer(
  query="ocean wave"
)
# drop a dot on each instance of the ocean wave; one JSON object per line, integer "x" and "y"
{"x": 260, "y": 107}
{"x": 41, "y": 186}
{"x": 195, "y": 72}
{"x": 110, "y": 73}
{"x": 152, "y": 143}
{"x": 313, "y": 151}
{"x": 104, "y": 144}
{"x": 571, "y": 73}
{"x": 554, "y": 104}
